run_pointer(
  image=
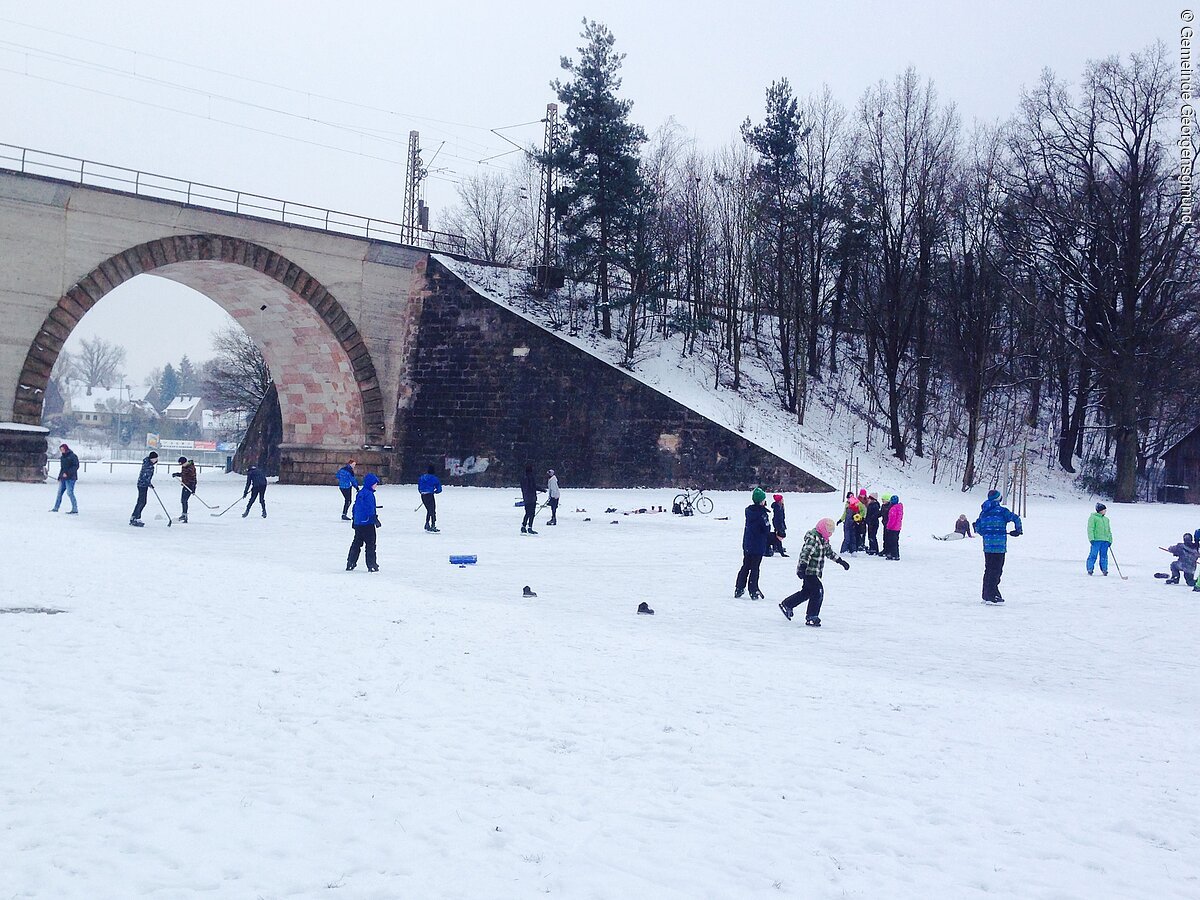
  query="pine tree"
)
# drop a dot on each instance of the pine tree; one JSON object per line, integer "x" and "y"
{"x": 189, "y": 380}
{"x": 599, "y": 163}
{"x": 168, "y": 389}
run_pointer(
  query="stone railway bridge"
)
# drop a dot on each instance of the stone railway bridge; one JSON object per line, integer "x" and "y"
{"x": 377, "y": 350}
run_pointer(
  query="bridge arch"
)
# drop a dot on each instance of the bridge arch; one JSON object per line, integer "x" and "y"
{"x": 329, "y": 390}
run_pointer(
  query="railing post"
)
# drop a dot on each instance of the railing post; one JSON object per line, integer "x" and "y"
{"x": 283, "y": 212}
{"x": 326, "y": 220}
{"x": 237, "y": 202}
{"x": 81, "y": 165}
{"x": 23, "y": 152}
{"x": 189, "y": 194}
{"x": 137, "y": 182}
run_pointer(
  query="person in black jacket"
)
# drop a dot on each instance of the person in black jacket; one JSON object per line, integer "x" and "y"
{"x": 529, "y": 497}
{"x": 874, "y": 514}
{"x": 145, "y": 477}
{"x": 68, "y": 474}
{"x": 187, "y": 484}
{"x": 256, "y": 487}
{"x": 754, "y": 545}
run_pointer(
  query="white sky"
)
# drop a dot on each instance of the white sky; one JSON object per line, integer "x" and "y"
{"x": 159, "y": 86}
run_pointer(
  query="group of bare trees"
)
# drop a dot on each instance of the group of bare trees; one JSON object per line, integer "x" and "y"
{"x": 973, "y": 285}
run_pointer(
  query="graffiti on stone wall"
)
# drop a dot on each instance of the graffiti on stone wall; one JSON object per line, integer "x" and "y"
{"x": 472, "y": 465}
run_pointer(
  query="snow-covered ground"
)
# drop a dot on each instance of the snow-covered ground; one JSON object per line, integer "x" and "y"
{"x": 222, "y": 710}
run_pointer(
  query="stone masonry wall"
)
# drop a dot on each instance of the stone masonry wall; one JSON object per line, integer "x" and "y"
{"x": 487, "y": 384}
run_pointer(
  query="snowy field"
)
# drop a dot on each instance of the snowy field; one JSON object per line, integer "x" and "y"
{"x": 221, "y": 710}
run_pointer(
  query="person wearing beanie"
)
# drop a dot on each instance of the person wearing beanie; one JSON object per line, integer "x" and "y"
{"x": 68, "y": 474}
{"x": 553, "y": 493}
{"x": 1186, "y": 555}
{"x": 347, "y": 484}
{"x": 256, "y": 487}
{"x": 809, "y": 566}
{"x": 755, "y": 538}
{"x": 891, "y": 528}
{"x": 778, "y": 527}
{"x": 429, "y": 486}
{"x": 187, "y": 484}
{"x": 529, "y": 494}
{"x": 366, "y": 522}
{"x": 992, "y": 526}
{"x": 874, "y": 514}
{"x": 145, "y": 478}
{"x": 1099, "y": 531}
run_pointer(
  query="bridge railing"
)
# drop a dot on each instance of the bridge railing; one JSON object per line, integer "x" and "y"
{"x": 194, "y": 193}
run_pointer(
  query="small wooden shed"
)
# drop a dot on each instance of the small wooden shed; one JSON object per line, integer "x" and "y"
{"x": 1182, "y": 469}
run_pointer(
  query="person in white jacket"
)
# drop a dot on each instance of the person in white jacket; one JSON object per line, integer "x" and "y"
{"x": 553, "y": 493}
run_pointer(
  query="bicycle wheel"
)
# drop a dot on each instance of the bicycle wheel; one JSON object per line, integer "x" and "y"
{"x": 704, "y": 505}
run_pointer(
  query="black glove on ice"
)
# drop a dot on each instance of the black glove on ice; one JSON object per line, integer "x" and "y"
{"x": 1015, "y": 533}
{"x": 845, "y": 565}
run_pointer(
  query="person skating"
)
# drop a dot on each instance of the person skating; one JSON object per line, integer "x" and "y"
{"x": 1186, "y": 556}
{"x": 256, "y": 487}
{"x": 1099, "y": 531}
{"x": 874, "y": 513}
{"x": 992, "y": 526}
{"x": 810, "y": 565}
{"x": 891, "y": 528}
{"x": 778, "y": 527}
{"x": 348, "y": 485}
{"x": 552, "y": 496}
{"x": 68, "y": 474}
{"x": 754, "y": 544}
{"x": 187, "y": 484}
{"x": 366, "y": 522}
{"x": 429, "y": 485}
{"x": 145, "y": 478}
{"x": 529, "y": 494}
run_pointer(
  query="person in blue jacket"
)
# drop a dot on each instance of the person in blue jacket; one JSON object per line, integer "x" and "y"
{"x": 366, "y": 521}
{"x": 347, "y": 482}
{"x": 755, "y": 539}
{"x": 992, "y": 526}
{"x": 428, "y": 485}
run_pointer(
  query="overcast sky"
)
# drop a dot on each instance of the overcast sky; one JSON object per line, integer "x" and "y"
{"x": 313, "y": 103}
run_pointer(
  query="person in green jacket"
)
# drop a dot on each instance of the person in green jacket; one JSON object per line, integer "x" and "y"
{"x": 1100, "y": 534}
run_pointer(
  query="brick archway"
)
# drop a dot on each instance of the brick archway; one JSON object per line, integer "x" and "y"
{"x": 328, "y": 386}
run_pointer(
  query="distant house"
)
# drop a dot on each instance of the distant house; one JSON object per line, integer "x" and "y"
{"x": 96, "y": 409}
{"x": 185, "y": 409}
{"x": 1182, "y": 472}
{"x": 102, "y": 406}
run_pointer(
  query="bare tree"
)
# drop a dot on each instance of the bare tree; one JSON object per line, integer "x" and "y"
{"x": 98, "y": 363}
{"x": 1101, "y": 224}
{"x": 907, "y": 149}
{"x": 238, "y": 377}
{"x": 493, "y": 216}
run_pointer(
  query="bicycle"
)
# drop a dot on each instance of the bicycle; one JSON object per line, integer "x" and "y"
{"x": 691, "y": 500}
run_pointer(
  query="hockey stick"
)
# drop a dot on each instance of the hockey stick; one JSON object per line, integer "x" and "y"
{"x": 197, "y": 496}
{"x": 170, "y": 521}
{"x": 229, "y": 507}
{"x": 1117, "y": 564}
